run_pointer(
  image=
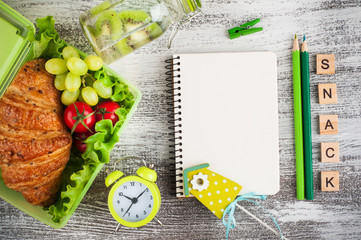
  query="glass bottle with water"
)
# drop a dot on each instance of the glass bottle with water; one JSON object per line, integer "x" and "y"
{"x": 117, "y": 28}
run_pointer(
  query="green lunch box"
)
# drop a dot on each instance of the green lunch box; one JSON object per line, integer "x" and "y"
{"x": 15, "y": 50}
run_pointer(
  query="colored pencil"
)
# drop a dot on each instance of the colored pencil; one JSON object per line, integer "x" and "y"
{"x": 297, "y": 97}
{"x": 306, "y": 119}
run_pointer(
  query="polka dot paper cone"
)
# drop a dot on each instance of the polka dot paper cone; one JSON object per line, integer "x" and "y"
{"x": 213, "y": 190}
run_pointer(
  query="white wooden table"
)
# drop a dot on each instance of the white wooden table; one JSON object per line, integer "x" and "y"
{"x": 330, "y": 26}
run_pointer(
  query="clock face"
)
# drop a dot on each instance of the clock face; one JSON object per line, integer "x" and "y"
{"x": 133, "y": 201}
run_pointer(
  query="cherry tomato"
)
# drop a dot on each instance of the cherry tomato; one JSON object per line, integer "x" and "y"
{"x": 77, "y": 114}
{"x": 106, "y": 110}
{"x": 79, "y": 139}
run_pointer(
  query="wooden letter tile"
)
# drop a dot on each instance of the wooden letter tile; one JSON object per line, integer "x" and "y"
{"x": 325, "y": 63}
{"x": 327, "y": 93}
{"x": 328, "y": 124}
{"x": 330, "y": 152}
{"x": 330, "y": 181}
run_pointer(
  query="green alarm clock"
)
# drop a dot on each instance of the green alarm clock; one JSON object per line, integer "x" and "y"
{"x": 133, "y": 200}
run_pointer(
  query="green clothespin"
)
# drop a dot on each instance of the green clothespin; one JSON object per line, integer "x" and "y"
{"x": 244, "y": 29}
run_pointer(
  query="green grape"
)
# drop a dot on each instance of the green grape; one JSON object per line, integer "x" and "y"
{"x": 72, "y": 82}
{"x": 68, "y": 97}
{"x": 94, "y": 62}
{"x": 77, "y": 66}
{"x": 56, "y": 66}
{"x": 90, "y": 96}
{"x": 103, "y": 91}
{"x": 59, "y": 81}
{"x": 69, "y": 52}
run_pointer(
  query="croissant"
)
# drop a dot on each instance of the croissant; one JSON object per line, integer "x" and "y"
{"x": 34, "y": 141}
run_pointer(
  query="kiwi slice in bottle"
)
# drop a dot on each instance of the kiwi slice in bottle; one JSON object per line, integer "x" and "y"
{"x": 154, "y": 31}
{"x": 132, "y": 20}
{"x": 124, "y": 46}
{"x": 108, "y": 24}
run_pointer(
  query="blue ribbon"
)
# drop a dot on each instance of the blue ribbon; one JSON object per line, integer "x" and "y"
{"x": 231, "y": 222}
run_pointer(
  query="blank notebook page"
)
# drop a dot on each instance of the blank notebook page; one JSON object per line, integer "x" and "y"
{"x": 230, "y": 117}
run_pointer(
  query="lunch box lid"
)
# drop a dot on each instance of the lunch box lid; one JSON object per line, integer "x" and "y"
{"x": 15, "y": 44}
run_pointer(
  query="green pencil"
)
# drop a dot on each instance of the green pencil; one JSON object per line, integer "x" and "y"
{"x": 306, "y": 110}
{"x": 297, "y": 97}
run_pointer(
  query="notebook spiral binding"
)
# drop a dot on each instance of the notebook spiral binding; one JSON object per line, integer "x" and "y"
{"x": 175, "y": 119}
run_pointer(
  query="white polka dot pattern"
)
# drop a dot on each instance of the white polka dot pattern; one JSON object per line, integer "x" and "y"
{"x": 219, "y": 194}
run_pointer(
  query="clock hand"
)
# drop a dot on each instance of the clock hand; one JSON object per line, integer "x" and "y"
{"x": 128, "y": 209}
{"x": 128, "y": 197}
{"x": 142, "y": 193}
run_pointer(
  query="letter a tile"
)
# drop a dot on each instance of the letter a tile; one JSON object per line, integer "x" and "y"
{"x": 330, "y": 181}
{"x": 328, "y": 124}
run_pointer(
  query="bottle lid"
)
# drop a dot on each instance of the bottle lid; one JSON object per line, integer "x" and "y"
{"x": 16, "y": 47}
{"x": 191, "y": 5}
{"x": 191, "y": 9}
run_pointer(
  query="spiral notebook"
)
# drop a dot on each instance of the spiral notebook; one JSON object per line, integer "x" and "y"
{"x": 226, "y": 114}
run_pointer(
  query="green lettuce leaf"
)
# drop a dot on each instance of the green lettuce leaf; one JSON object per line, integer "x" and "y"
{"x": 80, "y": 168}
{"x": 47, "y": 43}
{"x": 74, "y": 177}
{"x": 100, "y": 144}
{"x": 107, "y": 80}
